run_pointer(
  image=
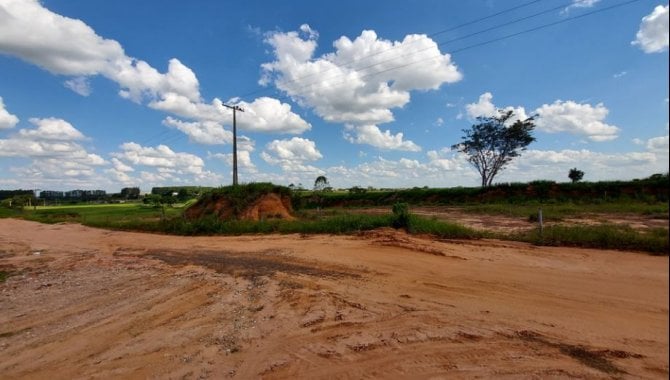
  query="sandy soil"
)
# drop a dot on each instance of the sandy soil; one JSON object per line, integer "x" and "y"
{"x": 90, "y": 303}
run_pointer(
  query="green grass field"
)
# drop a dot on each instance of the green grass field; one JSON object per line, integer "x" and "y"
{"x": 121, "y": 216}
{"x": 141, "y": 217}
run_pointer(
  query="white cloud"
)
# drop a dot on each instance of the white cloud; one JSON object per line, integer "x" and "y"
{"x": 160, "y": 156}
{"x": 120, "y": 166}
{"x": 653, "y": 34}
{"x": 439, "y": 122}
{"x": 292, "y": 155}
{"x": 52, "y": 129}
{"x": 270, "y": 115}
{"x": 580, "y": 4}
{"x": 267, "y": 115}
{"x": 53, "y": 138}
{"x": 362, "y": 80}
{"x": 202, "y": 132}
{"x": 443, "y": 160}
{"x": 55, "y": 155}
{"x": 68, "y": 46}
{"x": 243, "y": 160}
{"x": 372, "y": 135}
{"x": 7, "y": 120}
{"x": 658, "y": 144}
{"x": 554, "y": 165}
{"x": 485, "y": 108}
{"x": 581, "y": 119}
{"x": 244, "y": 148}
{"x": 58, "y": 44}
{"x": 560, "y": 116}
{"x": 619, "y": 74}
{"x": 160, "y": 165}
{"x": 295, "y": 149}
{"x": 80, "y": 85}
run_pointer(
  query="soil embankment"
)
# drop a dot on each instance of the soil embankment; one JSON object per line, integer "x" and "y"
{"x": 83, "y": 302}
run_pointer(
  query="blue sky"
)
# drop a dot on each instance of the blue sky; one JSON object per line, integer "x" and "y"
{"x": 103, "y": 95}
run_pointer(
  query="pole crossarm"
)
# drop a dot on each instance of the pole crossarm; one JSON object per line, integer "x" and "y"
{"x": 235, "y": 108}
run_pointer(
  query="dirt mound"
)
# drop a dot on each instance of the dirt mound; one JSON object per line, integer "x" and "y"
{"x": 266, "y": 206}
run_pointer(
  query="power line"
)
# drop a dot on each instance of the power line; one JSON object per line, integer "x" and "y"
{"x": 487, "y": 42}
{"x": 346, "y": 64}
{"x": 455, "y": 39}
{"x": 544, "y": 26}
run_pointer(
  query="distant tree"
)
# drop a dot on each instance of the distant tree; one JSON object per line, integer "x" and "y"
{"x": 130, "y": 192}
{"x": 493, "y": 142}
{"x": 183, "y": 195}
{"x": 357, "y": 190}
{"x": 575, "y": 175}
{"x": 321, "y": 183}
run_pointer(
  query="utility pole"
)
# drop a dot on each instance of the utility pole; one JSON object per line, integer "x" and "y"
{"x": 234, "y": 108}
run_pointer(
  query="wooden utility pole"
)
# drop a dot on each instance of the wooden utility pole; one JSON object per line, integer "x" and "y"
{"x": 234, "y": 108}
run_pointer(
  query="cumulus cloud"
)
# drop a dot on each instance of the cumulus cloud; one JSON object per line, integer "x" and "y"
{"x": 202, "y": 132}
{"x": 292, "y": 155}
{"x": 361, "y": 81}
{"x": 53, "y": 150}
{"x": 658, "y": 144}
{"x": 7, "y": 120}
{"x": 484, "y": 107}
{"x": 243, "y": 160}
{"x": 161, "y": 157}
{"x": 270, "y": 115}
{"x": 581, "y": 119}
{"x": 244, "y": 148}
{"x": 51, "y": 129}
{"x": 561, "y": 116}
{"x": 653, "y": 34}
{"x": 372, "y": 135}
{"x": 53, "y": 138}
{"x": 68, "y": 46}
{"x": 159, "y": 165}
{"x": 444, "y": 159}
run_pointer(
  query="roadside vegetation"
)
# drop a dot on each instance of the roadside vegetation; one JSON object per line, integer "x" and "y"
{"x": 343, "y": 212}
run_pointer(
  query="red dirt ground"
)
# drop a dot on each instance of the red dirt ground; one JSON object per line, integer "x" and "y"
{"x": 90, "y": 303}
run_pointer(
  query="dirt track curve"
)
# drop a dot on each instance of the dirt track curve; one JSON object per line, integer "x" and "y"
{"x": 91, "y": 303}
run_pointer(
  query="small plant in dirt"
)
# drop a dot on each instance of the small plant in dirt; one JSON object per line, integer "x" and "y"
{"x": 401, "y": 215}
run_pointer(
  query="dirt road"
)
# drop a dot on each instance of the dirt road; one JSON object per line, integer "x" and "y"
{"x": 90, "y": 303}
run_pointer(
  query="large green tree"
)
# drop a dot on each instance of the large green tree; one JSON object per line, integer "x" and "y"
{"x": 494, "y": 141}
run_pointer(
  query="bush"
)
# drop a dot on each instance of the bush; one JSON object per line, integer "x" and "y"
{"x": 400, "y": 215}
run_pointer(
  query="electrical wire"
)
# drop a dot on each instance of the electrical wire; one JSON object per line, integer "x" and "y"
{"x": 347, "y": 64}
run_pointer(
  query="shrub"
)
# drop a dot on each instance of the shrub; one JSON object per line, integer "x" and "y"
{"x": 400, "y": 215}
